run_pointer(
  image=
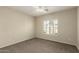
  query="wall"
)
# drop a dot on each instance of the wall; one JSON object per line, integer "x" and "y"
{"x": 14, "y": 27}
{"x": 78, "y": 28}
{"x": 67, "y": 27}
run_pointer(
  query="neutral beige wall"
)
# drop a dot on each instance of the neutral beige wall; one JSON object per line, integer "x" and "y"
{"x": 14, "y": 27}
{"x": 67, "y": 27}
{"x": 78, "y": 28}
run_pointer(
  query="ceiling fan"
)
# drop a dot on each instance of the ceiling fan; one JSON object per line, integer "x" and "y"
{"x": 43, "y": 9}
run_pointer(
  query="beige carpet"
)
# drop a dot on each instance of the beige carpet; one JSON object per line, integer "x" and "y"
{"x": 40, "y": 46}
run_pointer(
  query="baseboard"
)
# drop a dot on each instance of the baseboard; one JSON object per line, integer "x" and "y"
{"x": 58, "y": 42}
{"x": 15, "y": 43}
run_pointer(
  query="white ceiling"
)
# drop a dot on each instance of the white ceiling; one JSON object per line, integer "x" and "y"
{"x": 30, "y": 10}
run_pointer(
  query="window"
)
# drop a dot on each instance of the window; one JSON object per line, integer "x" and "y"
{"x": 50, "y": 26}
